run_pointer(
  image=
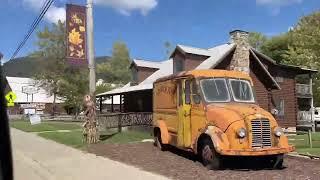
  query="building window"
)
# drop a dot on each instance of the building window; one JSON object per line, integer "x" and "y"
{"x": 134, "y": 75}
{"x": 178, "y": 65}
{"x": 281, "y": 108}
{"x": 279, "y": 79}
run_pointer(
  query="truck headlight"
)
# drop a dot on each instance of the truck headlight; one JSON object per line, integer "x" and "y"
{"x": 242, "y": 132}
{"x": 278, "y": 131}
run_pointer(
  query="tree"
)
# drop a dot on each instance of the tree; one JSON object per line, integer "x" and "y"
{"x": 256, "y": 39}
{"x": 169, "y": 48}
{"x": 52, "y": 45}
{"x": 303, "y": 50}
{"x": 117, "y": 69}
{"x": 276, "y": 46}
{"x": 56, "y": 76}
{"x": 104, "y": 87}
{"x": 73, "y": 86}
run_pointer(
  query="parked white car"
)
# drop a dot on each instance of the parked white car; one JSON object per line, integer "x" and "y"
{"x": 317, "y": 116}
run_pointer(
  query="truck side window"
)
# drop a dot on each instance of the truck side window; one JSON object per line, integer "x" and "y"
{"x": 195, "y": 92}
{"x": 180, "y": 93}
{"x": 187, "y": 92}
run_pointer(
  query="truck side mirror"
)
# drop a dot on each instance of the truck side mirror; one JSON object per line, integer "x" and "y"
{"x": 196, "y": 98}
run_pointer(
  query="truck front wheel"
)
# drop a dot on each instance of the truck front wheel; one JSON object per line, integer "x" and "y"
{"x": 210, "y": 158}
{"x": 277, "y": 161}
{"x": 158, "y": 141}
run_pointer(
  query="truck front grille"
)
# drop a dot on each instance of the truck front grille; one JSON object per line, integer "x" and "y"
{"x": 261, "y": 133}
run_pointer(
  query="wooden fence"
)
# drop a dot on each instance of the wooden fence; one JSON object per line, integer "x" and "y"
{"x": 119, "y": 120}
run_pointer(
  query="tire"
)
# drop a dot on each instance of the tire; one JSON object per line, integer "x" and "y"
{"x": 209, "y": 157}
{"x": 277, "y": 162}
{"x": 158, "y": 141}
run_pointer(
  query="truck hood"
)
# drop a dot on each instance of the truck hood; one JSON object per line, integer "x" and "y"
{"x": 224, "y": 114}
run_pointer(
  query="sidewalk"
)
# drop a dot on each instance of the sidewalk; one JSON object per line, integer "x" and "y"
{"x": 36, "y": 158}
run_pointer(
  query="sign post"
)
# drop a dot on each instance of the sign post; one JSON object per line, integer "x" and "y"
{"x": 30, "y": 90}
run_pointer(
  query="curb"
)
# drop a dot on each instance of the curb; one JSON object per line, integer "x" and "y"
{"x": 306, "y": 156}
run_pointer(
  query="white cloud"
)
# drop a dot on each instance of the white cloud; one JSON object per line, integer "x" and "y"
{"x": 275, "y": 5}
{"x": 277, "y": 2}
{"x": 126, "y": 6}
{"x": 53, "y": 14}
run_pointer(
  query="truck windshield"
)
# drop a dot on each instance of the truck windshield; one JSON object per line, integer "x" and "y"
{"x": 241, "y": 90}
{"x": 215, "y": 90}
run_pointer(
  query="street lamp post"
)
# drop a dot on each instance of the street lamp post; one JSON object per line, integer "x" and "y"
{"x": 92, "y": 73}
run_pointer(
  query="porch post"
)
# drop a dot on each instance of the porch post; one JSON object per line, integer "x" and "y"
{"x": 112, "y": 103}
{"x": 100, "y": 104}
{"x": 120, "y": 102}
{"x": 311, "y": 104}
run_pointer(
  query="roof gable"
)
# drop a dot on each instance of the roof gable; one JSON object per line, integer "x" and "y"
{"x": 144, "y": 63}
{"x": 218, "y": 53}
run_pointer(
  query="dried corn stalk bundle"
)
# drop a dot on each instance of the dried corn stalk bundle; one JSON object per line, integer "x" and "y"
{"x": 90, "y": 126}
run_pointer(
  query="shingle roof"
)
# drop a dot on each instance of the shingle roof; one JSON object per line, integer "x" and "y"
{"x": 194, "y": 50}
{"x": 166, "y": 68}
{"x": 216, "y": 55}
{"x": 144, "y": 63}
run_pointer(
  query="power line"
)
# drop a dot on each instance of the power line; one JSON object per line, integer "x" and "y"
{"x": 46, "y": 5}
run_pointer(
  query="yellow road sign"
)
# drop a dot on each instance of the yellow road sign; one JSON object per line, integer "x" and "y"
{"x": 10, "y": 97}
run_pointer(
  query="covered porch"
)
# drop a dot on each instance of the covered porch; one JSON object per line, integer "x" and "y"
{"x": 305, "y": 104}
{"x": 127, "y": 106}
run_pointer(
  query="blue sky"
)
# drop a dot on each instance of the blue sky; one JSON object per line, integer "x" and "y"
{"x": 146, "y": 24}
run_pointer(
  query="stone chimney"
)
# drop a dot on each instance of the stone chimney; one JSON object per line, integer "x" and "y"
{"x": 240, "y": 60}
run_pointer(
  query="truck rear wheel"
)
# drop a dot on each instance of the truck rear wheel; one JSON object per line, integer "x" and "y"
{"x": 210, "y": 158}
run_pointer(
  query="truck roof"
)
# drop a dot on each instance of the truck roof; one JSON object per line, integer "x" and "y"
{"x": 207, "y": 73}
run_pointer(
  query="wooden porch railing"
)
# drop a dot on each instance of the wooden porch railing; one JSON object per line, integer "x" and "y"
{"x": 303, "y": 89}
{"x": 119, "y": 120}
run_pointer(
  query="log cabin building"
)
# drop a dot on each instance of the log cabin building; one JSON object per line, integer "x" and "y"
{"x": 275, "y": 84}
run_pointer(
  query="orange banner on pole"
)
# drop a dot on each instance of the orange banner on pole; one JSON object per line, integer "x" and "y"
{"x": 76, "y": 53}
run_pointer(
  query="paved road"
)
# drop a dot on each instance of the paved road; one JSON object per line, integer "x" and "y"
{"x": 36, "y": 158}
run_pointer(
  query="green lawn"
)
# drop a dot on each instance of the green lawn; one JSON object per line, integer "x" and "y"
{"x": 301, "y": 143}
{"x": 74, "y": 136}
{"x": 44, "y": 126}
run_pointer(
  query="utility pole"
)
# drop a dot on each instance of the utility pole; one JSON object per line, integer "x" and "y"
{"x": 92, "y": 70}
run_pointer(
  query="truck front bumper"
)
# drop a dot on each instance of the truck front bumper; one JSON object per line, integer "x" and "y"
{"x": 256, "y": 151}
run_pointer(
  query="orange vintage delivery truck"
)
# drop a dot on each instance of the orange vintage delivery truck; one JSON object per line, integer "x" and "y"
{"x": 214, "y": 114}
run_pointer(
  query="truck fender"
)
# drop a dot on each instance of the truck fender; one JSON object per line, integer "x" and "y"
{"x": 165, "y": 137}
{"x": 218, "y": 137}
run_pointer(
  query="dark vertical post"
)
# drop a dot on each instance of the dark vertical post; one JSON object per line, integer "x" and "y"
{"x": 100, "y": 104}
{"x": 121, "y": 103}
{"x": 119, "y": 123}
{"x": 112, "y": 103}
{"x": 310, "y": 138}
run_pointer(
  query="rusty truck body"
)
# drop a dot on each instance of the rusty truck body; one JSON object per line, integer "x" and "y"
{"x": 214, "y": 114}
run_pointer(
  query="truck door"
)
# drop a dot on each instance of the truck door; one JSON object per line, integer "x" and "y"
{"x": 184, "y": 114}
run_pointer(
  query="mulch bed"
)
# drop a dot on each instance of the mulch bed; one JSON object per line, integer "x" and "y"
{"x": 178, "y": 164}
